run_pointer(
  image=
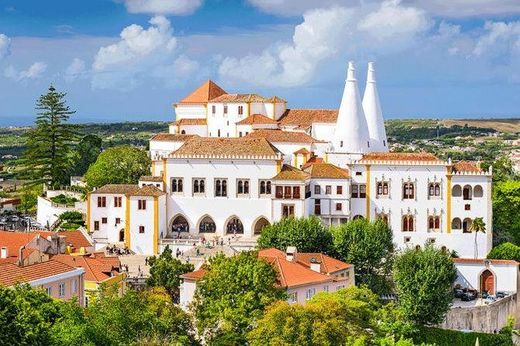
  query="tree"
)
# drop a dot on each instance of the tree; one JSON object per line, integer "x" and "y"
{"x": 29, "y": 198}
{"x": 477, "y": 226}
{"x": 307, "y": 234}
{"x": 424, "y": 279}
{"x": 118, "y": 165}
{"x": 505, "y": 251}
{"x": 86, "y": 153}
{"x": 165, "y": 272}
{"x": 506, "y": 204}
{"x": 26, "y": 315}
{"x": 503, "y": 170}
{"x": 47, "y": 158}
{"x": 368, "y": 246}
{"x": 232, "y": 295}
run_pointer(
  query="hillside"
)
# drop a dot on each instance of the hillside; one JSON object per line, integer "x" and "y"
{"x": 501, "y": 125}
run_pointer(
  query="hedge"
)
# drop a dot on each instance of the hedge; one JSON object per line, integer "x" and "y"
{"x": 444, "y": 337}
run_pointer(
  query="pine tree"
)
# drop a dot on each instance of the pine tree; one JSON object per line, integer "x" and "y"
{"x": 47, "y": 158}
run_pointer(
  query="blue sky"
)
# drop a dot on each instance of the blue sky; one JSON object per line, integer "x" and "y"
{"x": 131, "y": 59}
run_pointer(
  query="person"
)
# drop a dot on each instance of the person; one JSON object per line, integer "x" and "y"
{"x": 146, "y": 261}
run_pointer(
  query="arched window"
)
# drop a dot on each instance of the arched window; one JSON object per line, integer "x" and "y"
{"x": 260, "y": 224}
{"x": 174, "y": 185}
{"x": 234, "y": 226}
{"x": 221, "y": 188}
{"x": 408, "y": 191}
{"x": 408, "y": 223}
{"x": 183, "y": 132}
{"x": 383, "y": 217}
{"x": 224, "y": 188}
{"x": 246, "y": 186}
{"x": 180, "y": 224}
{"x": 434, "y": 223}
{"x": 201, "y": 186}
{"x": 467, "y": 193}
{"x": 262, "y": 188}
{"x": 456, "y": 191}
{"x": 434, "y": 189}
{"x": 195, "y": 186}
{"x": 466, "y": 225}
{"x": 268, "y": 188}
{"x": 207, "y": 225}
{"x": 478, "y": 191}
{"x": 240, "y": 188}
{"x": 456, "y": 223}
{"x": 382, "y": 188}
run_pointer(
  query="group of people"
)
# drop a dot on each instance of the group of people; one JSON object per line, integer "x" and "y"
{"x": 114, "y": 250}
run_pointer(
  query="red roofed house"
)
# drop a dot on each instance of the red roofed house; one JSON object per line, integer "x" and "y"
{"x": 302, "y": 274}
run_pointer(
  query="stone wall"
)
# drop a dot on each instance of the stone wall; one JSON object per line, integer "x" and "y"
{"x": 486, "y": 318}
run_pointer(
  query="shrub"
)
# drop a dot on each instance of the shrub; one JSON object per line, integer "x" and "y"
{"x": 505, "y": 251}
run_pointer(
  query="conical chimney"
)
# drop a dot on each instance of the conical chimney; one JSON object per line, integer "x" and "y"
{"x": 351, "y": 132}
{"x": 373, "y": 113}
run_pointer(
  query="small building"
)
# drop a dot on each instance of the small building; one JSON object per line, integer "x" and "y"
{"x": 487, "y": 275}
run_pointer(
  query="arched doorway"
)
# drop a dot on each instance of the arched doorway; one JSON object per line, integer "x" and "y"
{"x": 358, "y": 217}
{"x": 467, "y": 193}
{"x": 466, "y": 225}
{"x": 487, "y": 282}
{"x": 122, "y": 235}
{"x": 260, "y": 224}
{"x": 180, "y": 224}
{"x": 234, "y": 226}
{"x": 456, "y": 223}
{"x": 207, "y": 225}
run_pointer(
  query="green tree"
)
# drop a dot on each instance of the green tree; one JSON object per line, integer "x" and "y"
{"x": 47, "y": 158}
{"x": 503, "y": 170}
{"x": 26, "y": 315}
{"x": 29, "y": 198}
{"x": 232, "y": 295}
{"x": 505, "y": 251}
{"x": 424, "y": 279}
{"x": 506, "y": 204}
{"x": 86, "y": 153}
{"x": 307, "y": 234}
{"x": 165, "y": 272}
{"x": 368, "y": 246}
{"x": 118, "y": 165}
{"x": 477, "y": 226}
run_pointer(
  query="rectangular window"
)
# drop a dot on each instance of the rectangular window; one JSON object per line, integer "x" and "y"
{"x": 317, "y": 189}
{"x": 177, "y": 185}
{"x": 408, "y": 191}
{"x": 328, "y": 189}
{"x": 141, "y": 229}
{"x": 96, "y": 225}
{"x": 287, "y": 192}
{"x": 265, "y": 187}
{"x": 310, "y": 293}
{"x": 49, "y": 290}
{"x": 101, "y": 202}
{"x": 243, "y": 187}
{"x": 118, "y": 220}
{"x": 296, "y": 192}
{"x": 74, "y": 286}
{"x": 62, "y": 289}
{"x": 287, "y": 210}
{"x": 362, "y": 191}
{"x": 355, "y": 191}
{"x": 317, "y": 207}
{"x": 339, "y": 190}
{"x": 279, "y": 192}
{"x": 293, "y": 297}
{"x": 213, "y": 109}
{"x": 141, "y": 204}
{"x": 118, "y": 202}
{"x": 199, "y": 186}
{"x": 104, "y": 220}
{"x": 225, "y": 109}
{"x": 240, "y": 110}
{"x": 339, "y": 206}
{"x": 220, "y": 187}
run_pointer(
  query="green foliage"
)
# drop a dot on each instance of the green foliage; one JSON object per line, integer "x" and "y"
{"x": 118, "y": 165}
{"x": 86, "y": 153}
{"x": 29, "y": 198}
{"x": 368, "y": 246}
{"x": 506, "y": 204}
{"x": 233, "y": 295}
{"x": 443, "y": 337}
{"x": 477, "y": 226}
{"x": 71, "y": 220}
{"x": 424, "y": 279}
{"x": 63, "y": 199}
{"x": 26, "y": 315}
{"x": 307, "y": 234}
{"x": 165, "y": 271}
{"x": 506, "y": 251}
{"x": 47, "y": 158}
{"x": 503, "y": 170}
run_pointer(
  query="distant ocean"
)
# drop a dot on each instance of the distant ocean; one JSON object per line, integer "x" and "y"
{"x": 28, "y": 121}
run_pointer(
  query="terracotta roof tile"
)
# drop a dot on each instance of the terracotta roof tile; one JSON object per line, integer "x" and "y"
{"x": 483, "y": 261}
{"x": 422, "y": 156}
{"x": 172, "y": 137}
{"x": 76, "y": 239}
{"x": 148, "y": 190}
{"x": 187, "y": 121}
{"x": 231, "y": 147}
{"x": 97, "y": 266}
{"x": 14, "y": 240}
{"x": 279, "y": 136}
{"x": 329, "y": 265}
{"x": 239, "y": 98}
{"x": 304, "y": 118}
{"x": 466, "y": 166}
{"x": 302, "y": 151}
{"x": 326, "y": 170}
{"x": 257, "y": 119}
{"x": 151, "y": 178}
{"x": 194, "y": 275}
{"x": 11, "y": 274}
{"x": 276, "y": 99}
{"x": 207, "y": 91}
{"x": 311, "y": 161}
{"x": 291, "y": 173}
{"x": 121, "y": 189}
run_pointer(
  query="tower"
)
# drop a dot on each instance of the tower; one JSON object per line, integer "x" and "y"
{"x": 351, "y": 133}
{"x": 374, "y": 116}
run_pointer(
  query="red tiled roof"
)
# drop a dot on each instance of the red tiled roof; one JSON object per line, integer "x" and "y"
{"x": 187, "y": 121}
{"x": 206, "y": 92}
{"x": 483, "y": 261}
{"x": 311, "y": 161}
{"x": 326, "y": 170}
{"x": 11, "y": 274}
{"x": 172, "y": 137}
{"x": 466, "y": 166}
{"x": 422, "y": 156}
{"x": 257, "y": 119}
{"x": 194, "y": 275}
{"x": 76, "y": 239}
{"x": 98, "y": 267}
{"x": 232, "y": 147}
{"x": 329, "y": 265}
{"x": 291, "y": 173}
{"x": 278, "y": 136}
{"x": 239, "y": 98}
{"x": 14, "y": 240}
{"x": 304, "y": 118}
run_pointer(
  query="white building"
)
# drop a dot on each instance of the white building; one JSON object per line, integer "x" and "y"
{"x": 236, "y": 162}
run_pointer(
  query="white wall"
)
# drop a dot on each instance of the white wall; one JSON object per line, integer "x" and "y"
{"x": 108, "y": 233}
{"x": 186, "y": 111}
{"x": 323, "y": 131}
{"x": 506, "y": 275}
{"x": 48, "y": 212}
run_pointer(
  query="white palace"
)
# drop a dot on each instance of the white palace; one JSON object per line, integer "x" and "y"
{"x": 233, "y": 163}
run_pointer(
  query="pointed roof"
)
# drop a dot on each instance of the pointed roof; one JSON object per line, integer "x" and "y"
{"x": 257, "y": 119}
{"x": 207, "y": 91}
{"x": 291, "y": 173}
{"x": 373, "y": 113}
{"x": 351, "y": 132}
{"x": 326, "y": 171}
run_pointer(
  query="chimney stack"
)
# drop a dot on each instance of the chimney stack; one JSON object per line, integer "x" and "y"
{"x": 290, "y": 253}
{"x": 373, "y": 113}
{"x": 315, "y": 265}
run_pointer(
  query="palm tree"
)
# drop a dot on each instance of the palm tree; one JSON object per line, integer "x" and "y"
{"x": 477, "y": 225}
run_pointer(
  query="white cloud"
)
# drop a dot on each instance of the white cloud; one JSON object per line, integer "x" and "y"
{"x": 171, "y": 7}
{"x": 5, "y": 43}
{"x": 75, "y": 70}
{"x": 138, "y": 51}
{"x": 500, "y": 38}
{"x": 325, "y": 34}
{"x": 34, "y": 71}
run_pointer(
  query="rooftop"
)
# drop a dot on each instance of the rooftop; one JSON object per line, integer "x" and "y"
{"x": 227, "y": 147}
{"x": 304, "y": 118}
{"x": 172, "y": 137}
{"x": 291, "y": 173}
{"x": 326, "y": 170}
{"x": 467, "y": 166}
{"x": 397, "y": 156}
{"x": 75, "y": 238}
{"x": 257, "y": 119}
{"x": 121, "y": 189}
{"x": 206, "y": 92}
{"x": 97, "y": 266}
{"x": 278, "y": 136}
{"x": 187, "y": 121}
{"x": 151, "y": 179}
{"x": 11, "y": 274}
{"x": 239, "y": 98}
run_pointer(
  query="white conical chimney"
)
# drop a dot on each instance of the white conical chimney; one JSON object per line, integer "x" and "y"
{"x": 351, "y": 132}
{"x": 374, "y": 116}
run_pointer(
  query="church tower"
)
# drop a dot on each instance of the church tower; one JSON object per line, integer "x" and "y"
{"x": 351, "y": 134}
{"x": 374, "y": 116}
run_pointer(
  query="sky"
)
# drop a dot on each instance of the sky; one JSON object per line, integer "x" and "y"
{"x": 126, "y": 60}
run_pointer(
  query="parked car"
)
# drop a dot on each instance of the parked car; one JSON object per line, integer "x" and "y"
{"x": 467, "y": 297}
{"x": 501, "y": 294}
{"x": 458, "y": 292}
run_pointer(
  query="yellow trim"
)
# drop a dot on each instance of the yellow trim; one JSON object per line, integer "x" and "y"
{"x": 88, "y": 211}
{"x": 248, "y": 109}
{"x": 278, "y": 166}
{"x": 127, "y": 222}
{"x": 274, "y": 110}
{"x": 295, "y": 160}
{"x": 448, "y": 200}
{"x": 164, "y": 173}
{"x": 156, "y": 225}
{"x": 368, "y": 193}
{"x": 326, "y": 157}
